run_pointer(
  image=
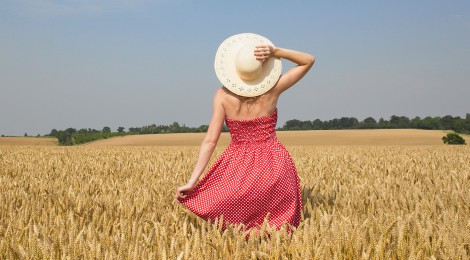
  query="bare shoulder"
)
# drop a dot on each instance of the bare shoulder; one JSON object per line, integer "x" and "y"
{"x": 220, "y": 96}
{"x": 222, "y": 92}
{"x": 226, "y": 95}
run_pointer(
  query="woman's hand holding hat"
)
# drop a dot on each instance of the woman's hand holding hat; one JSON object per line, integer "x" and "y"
{"x": 264, "y": 52}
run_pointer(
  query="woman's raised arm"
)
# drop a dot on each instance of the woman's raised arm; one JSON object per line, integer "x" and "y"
{"x": 303, "y": 60}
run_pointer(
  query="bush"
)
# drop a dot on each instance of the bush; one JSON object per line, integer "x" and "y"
{"x": 453, "y": 138}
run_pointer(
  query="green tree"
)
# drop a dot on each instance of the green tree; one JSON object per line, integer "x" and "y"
{"x": 106, "y": 129}
{"x": 203, "y": 128}
{"x": 70, "y": 130}
{"x": 65, "y": 138}
{"x": 317, "y": 124}
{"x": 333, "y": 124}
{"x": 121, "y": 129}
{"x": 53, "y": 132}
{"x": 429, "y": 123}
{"x": 369, "y": 123}
{"x": 384, "y": 124}
{"x": 293, "y": 124}
{"x": 447, "y": 122}
{"x": 461, "y": 126}
{"x": 347, "y": 123}
{"x": 415, "y": 122}
{"x": 394, "y": 121}
{"x": 404, "y": 122}
{"x": 135, "y": 129}
{"x": 452, "y": 138}
{"x": 175, "y": 128}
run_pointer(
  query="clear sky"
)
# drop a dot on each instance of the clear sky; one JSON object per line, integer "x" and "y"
{"x": 130, "y": 63}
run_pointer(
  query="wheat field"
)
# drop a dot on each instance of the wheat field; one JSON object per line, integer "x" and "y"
{"x": 359, "y": 202}
{"x": 29, "y": 141}
{"x": 297, "y": 138}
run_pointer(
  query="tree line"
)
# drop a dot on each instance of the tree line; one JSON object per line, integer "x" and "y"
{"x": 72, "y": 136}
{"x": 448, "y": 122}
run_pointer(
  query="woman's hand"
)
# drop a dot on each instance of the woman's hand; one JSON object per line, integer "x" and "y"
{"x": 264, "y": 52}
{"x": 183, "y": 191}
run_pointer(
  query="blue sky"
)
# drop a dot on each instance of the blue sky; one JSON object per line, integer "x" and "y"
{"x": 92, "y": 63}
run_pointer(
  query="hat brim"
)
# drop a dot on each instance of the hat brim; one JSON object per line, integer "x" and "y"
{"x": 226, "y": 71}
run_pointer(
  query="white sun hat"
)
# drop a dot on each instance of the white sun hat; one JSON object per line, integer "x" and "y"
{"x": 240, "y": 72}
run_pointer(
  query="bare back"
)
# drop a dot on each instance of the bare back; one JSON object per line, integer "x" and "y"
{"x": 244, "y": 108}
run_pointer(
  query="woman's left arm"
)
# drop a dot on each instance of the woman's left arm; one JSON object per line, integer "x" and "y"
{"x": 208, "y": 145}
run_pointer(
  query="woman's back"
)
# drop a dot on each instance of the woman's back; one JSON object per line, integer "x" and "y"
{"x": 243, "y": 108}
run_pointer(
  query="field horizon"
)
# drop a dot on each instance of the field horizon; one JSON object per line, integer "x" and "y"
{"x": 400, "y": 137}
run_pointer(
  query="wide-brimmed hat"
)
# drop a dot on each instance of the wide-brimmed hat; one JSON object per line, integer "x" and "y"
{"x": 240, "y": 72}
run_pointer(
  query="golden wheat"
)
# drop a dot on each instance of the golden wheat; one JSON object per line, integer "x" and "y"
{"x": 117, "y": 202}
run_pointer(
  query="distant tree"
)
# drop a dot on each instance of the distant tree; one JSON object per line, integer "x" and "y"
{"x": 83, "y": 131}
{"x": 65, "y": 138}
{"x": 203, "y": 128}
{"x": 461, "y": 126}
{"x": 175, "y": 127}
{"x": 415, "y": 122}
{"x": 384, "y": 124}
{"x": 53, "y": 132}
{"x": 317, "y": 124}
{"x": 135, "y": 129}
{"x": 369, "y": 123}
{"x": 447, "y": 122}
{"x": 121, "y": 129}
{"x": 307, "y": 125}
{"x": 453, "y": 138}
{"x": 404, "y": 122}
{"x": 428, "y": 123}
{"x": 394, "y": 121}
{"x": 39, "y": 135}
{"x": 150, "y": 129}
{"x": 3, "y": 135}
{"x": 333, "y": 124}
{"x": 106, "y": 129}
{"x": 347, "y": 123}
{"x": 25, "y": 134}
{"x": 70, "y": 130}
{"x": 293, "y": 124}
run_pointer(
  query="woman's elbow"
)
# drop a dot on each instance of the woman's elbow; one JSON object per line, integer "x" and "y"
{"x": 210, "y": 142}
{"x": 311, "y": 60}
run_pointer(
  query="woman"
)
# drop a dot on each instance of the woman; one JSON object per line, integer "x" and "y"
{"x": 255, "y": 176}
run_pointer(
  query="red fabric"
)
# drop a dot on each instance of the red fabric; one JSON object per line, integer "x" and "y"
{"x": 254, "y": 176}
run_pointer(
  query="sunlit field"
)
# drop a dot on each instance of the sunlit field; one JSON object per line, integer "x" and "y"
{"x": 372, "y": 202}
{"x": 297, "y": 138}
{"x": 31, "y": 141}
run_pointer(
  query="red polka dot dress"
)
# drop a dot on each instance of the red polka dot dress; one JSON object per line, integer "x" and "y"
{"x": 254, "y": 176}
